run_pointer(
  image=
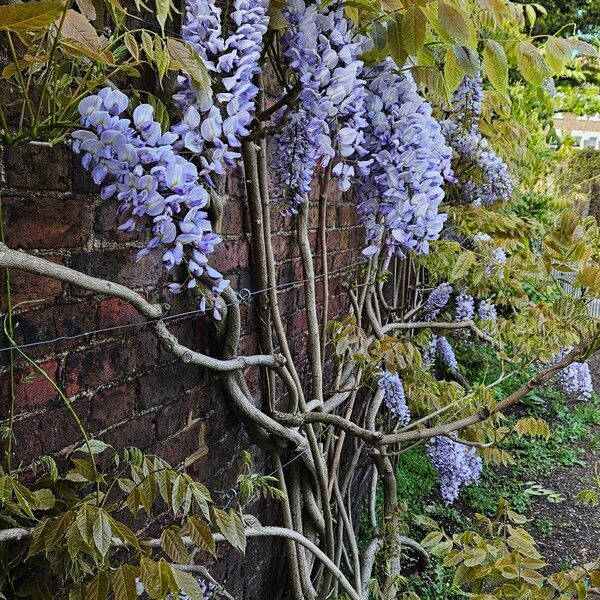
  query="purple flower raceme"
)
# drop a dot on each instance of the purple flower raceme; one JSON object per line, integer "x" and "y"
{"x": 487, "y": 311}
{"x": 465, "y": 307}
{"x": 490, "y": 181}
{"x": 322, "y": 49}
{"x": 213, "y": 127}
{"x": 576, "y": 379}
{"x": 400, "y": 194}
{"x": 394, "y": 397}
{"x": 456, "y": 464}
{"x": 446, "y": 353}
{"x": 436, "y": 301}
{"x": 137, "y": 162}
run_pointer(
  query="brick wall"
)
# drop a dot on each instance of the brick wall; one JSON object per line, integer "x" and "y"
{"x": 126, "y": 389}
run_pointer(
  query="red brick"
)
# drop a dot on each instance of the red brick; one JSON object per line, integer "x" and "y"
{"x": 26, "y": 287}
{"x": 110, "y": 362}
{"x": 138, "y": 432}
{"x": 32, "y": 389}
{"x": 47, "y": 222}
{"x": 112, "y": 405}
{"x": 231, "y": 255}
{"x": 233, "y": 218}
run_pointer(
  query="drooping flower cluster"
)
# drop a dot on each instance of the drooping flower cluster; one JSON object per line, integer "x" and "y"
{"x": 394, "y": 397}
{"x": 436, "y": 301}
{"x": 465, "y": 307}
{"x": 456, "y": 464}
{"x": 322, "y": 49}
{"x": 576, "y": 379}
{"x": 489, "y": 181}
{"x": 154, "y": 185}
{"x": 214, "y": 126}
{"x": 439, "y": 345}
{"x": 400, "y": 196}
{"x": 487, "y": 311}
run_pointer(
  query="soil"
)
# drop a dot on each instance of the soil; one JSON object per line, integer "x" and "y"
{"x": 574, "y": 537}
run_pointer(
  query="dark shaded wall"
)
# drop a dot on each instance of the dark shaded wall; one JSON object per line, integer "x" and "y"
{"x": 127, "y": 390}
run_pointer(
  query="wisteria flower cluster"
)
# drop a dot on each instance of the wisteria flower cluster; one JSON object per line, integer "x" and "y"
{"x": 156, "y": 186}
{"x": 576, "y": 379}
{"x": 490, "y": 181}
{"x": 213, "y": 127}
{"x": 456, "y": 464}
{"x": 487, "y": 311}
{"x": 394, "y": 397}
{"x": 322, "y": 50}
{"x": 439, "y": 345}
{"x": 399, "y": 197}
{"x": 437, "y": 301}
{"x": 465, "y": 307}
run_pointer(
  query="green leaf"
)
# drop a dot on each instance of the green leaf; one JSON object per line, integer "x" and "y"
{"x": 495, "y": 65}
{"x": 184, "y": 57}
{"x": 102, "y": 533}
{"x": 414, "y": 27}
{"x": 87, "y": 470}
{"x": 95, "y": 446}
{"x": 29, "y": 16}
{"x": 123, "y": 582}
{"x": 467, "y": 59}
{"x": 161, "y": 57}
{"x": 123, "y": 532}
{"x": 97, "y": 588}
{"x": 45, "y": 499}
{"x": 155, "y": 584}
{"x": 531, "y": 64}
{"x": 163, "y": 11}
{"x": 394, "y": 40}
{"x": 231, "y": 526}
{"x": 462, "y": 265}
{"x": 453, "y": 22}
{"x": 583, "y": 48}
{"x": 187, "y": 583}
{"x": 172, "y": 544}
{"x": 201, "y": 535}
{"x": 379, "y": 35}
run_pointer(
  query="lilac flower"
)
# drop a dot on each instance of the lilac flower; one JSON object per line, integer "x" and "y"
{"x": 154, "y": 185}
{"x": 401, "y": 190}
{"x": 213, "y": 127}
{"x": 446, "y": 353}
{"x": 456, "y": 464}
{"x": 487, "y": 311}
{"x": 429, "y": 352}
{"x": 576, "y": 379}
{"x": 393, "y": 396}
{"x": 322, "y": 49}
{"x": 489, "y": 179}
{"x": 436, "y": 301}
{"x": 465, "y": 307}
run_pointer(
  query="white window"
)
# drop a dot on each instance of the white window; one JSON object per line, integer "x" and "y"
{"x": 591, "y": 142}
{"x": 577, "y": 141}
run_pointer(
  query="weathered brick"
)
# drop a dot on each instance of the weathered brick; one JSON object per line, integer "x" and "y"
{"x": 32, "y": 389}
{"x": 233, "y": 218}
{"x": 38, "y": 167}
{"x": 110, "y": 362}
{"x": 167, "y": 383}
{"x": 138, "y": 432}
{"x": 30, "y": 287}
{"x": 48, "y": 222}
{"x": 120, "y": 266}
{"x": 112, "y": 405}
